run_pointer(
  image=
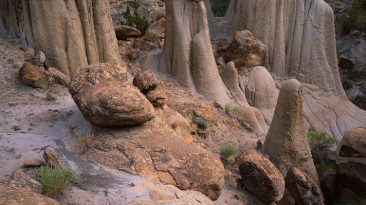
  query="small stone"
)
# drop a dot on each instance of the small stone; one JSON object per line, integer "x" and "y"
{"x": 32, "y": 162}
{"x": 145, "y": 81}
{"x": 52, "y": 157}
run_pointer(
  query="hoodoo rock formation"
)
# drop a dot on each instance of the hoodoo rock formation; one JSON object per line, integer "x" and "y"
{"x": 188, "y": 54}
{"x": 286, "y": 142}
{"x": 300, "y": 38}
{"x": 72, "y": 34}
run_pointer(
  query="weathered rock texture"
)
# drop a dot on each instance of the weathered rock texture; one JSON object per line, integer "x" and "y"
{"x": 34, "y": 76}
{"x": 106, "y": 97}
{"x": 304, "y": 189}
{"x": 159, "y": 151}
{"x": 187, "y": 53}
{"x": 260, "y": 176}
{"x": 72, "y": 34}
{"x": 300, "y": 38}
{"x": 353, "y": 143}
{"x": 245, "y": 50}
{"x": 19, "y": 196}
{"x": 286, "y": 142}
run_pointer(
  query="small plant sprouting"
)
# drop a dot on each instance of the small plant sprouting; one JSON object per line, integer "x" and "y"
{"x": 227, "y": 150}
{"x": 151, "y": 37}
{"x": 202, "y": 123}
{"x": 55, "y": 179}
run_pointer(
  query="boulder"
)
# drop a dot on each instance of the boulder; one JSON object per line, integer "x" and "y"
{"x": 20, "y": 196}
{"x": 28, "y": 54}
{"x": 352, "y": 173}
{"x": 58, "y": 76}
{"x": 286, "y": 143}
{"x": 245, "y": 50}
{"x": 303, "y": 188}
{"x": 145, "y": 81}
{"x": 353, "y": 143}
{"x": 329, "y": 186}
{"x": 34, "y": 76}
{"x": 260, "y": 176}
{"x": 157, "y": 97}
{"x": 53, "y": 158}
{"x": 39, "y": 59}
{"x": 105, "y": 95}
{"x": 123, "y": 32}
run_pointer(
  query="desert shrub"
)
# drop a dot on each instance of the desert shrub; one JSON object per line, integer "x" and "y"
{"x": 320, "y": 144}
{"x": 353, "y": 17}
{"x": 227, "y": 150}
{"x": 318, "y": 141}
{"x": 231, "y": 108}
{"x": 202, "y": 123}
{"x": 133, "y": 18}
{"x": 54, "y": 179}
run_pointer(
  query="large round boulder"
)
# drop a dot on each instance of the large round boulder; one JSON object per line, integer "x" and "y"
{"x": 34, "y": 76}
{"x": 261, "y": 177}
{"x": 353, "y": 143}
{"x": 105, "y": 95}
{"x": 245, "y": 50}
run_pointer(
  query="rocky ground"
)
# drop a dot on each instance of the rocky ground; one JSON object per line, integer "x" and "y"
{"x": 34, "y": 118}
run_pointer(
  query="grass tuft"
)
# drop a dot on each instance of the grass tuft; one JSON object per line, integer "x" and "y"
{"x": 227, "y": 150}
{"x": 55, "y": 179}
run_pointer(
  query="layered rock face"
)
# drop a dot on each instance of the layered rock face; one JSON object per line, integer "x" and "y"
{"x": 187, "y": 53}
{"x": 300, "y": 38}
{"x": 72, "y": 34}
{"x": 286, "y": 142}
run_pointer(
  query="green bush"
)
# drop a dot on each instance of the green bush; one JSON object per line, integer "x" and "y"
{"x": 231, "y": 108}
{"x": 353, "y": 17}
{"x": 133, "y": 18}
{"x": 202, "y": 123}
{"x": 320, "y": 144}
{"x": 55, "y": 179}
{"x": 227, "y": 150}
{"x": 318, "y": 141}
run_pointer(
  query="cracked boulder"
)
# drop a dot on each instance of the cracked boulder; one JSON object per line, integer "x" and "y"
{"x": 105, "y": 95}
{"x": 245, "y": 50}
{"x": 159, "y": 151}
{"x": 261, "y": 177}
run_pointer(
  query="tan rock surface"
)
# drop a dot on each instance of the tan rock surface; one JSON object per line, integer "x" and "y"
{"x": 286, "y": 142}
